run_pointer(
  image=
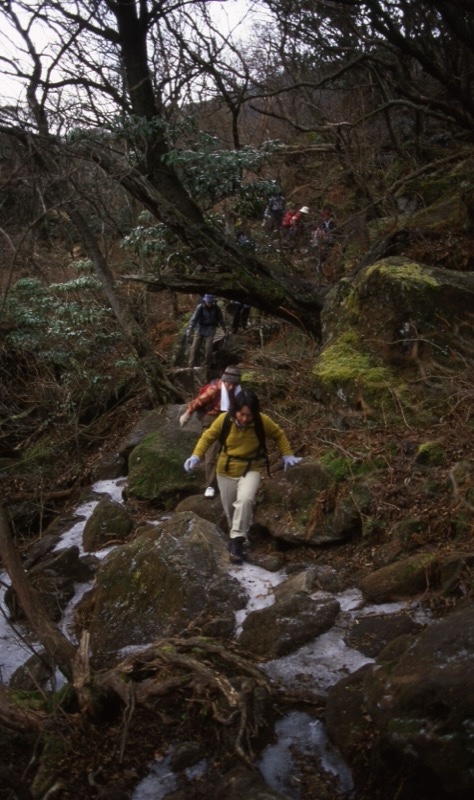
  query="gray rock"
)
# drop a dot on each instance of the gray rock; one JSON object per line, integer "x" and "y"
{"x": 415, "y": 709}
{"x": 283, "y": 627}
{"x": 370, "y": 634}
{"x": 109, "y": 523}
{"x": 54, "y": 578}
{"x": 405, "y": 578}
{"x": 293, "y": 507}
{"x": 172, "y": 579}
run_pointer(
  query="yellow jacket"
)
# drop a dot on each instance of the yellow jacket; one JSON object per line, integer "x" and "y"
{"x": 242, "y": 443}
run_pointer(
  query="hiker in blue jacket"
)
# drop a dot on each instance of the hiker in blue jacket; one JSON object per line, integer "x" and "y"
{"x": 204, "y": 321}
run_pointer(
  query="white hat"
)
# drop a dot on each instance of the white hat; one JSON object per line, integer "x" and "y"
{"x": 304, "y": 210}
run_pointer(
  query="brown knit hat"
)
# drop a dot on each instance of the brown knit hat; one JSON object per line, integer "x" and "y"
{"x": 232, "y": 375}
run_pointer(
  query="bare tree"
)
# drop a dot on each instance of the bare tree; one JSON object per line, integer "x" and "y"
{"x": 124, "y": 67}
{"x": 422, "y": 53}
{"x": 112, "y": 40}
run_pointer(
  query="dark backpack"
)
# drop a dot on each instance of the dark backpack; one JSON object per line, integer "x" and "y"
{"x": 262, "y": 448}
{"x": 208, "y": 315}
{"x": 276, "y": 203}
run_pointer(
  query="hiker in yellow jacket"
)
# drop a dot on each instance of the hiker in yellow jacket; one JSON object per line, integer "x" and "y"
{"x": 212, "y": 400}
{"x": 243, "y": 433}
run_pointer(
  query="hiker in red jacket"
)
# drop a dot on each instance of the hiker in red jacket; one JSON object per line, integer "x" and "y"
{"x": 211, "y": 400}
{"x": 294, "y": 222}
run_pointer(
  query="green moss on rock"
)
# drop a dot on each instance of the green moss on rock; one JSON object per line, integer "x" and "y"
{"x": 431, "y": 454}
{"x": 408, "y": 272}
{"x": 345, "y": 360}
{"x": 156, "y": 469}
{"x": 346, "y": 365}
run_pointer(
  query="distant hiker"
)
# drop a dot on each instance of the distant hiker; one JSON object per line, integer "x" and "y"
{"x": 273, "y": 214}
{"x": 294, "y": 222}
{"x": 406, "y": 338}
{"x": 240, "y": 317}
{"x": 205, "y": 319}
{"x": 322, "y": 236}
{"x": 323, "y": 231}
{"x": 211, "y": 400}
{"x": 242, "y": 434}
{"x": 244, "y": 240}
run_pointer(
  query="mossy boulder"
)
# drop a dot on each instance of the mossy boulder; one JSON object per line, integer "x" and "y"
{"x": 109, "y": 522}
{"x": 431, "y": 454}
{"x": 155, "y": 462}
{"x": 405, "y": 578}
{"x": 410, "y": 714}
{"x": 359, "y": 360}
{"x": 172, "y": 578}
{"x": 306, "y": 506}
{"x": 348, "y": 369}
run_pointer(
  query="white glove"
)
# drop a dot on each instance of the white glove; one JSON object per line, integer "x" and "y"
{"x": 191, "y": 462}
{"x": 290, "y": 461}
{"x": 184, "y": 419}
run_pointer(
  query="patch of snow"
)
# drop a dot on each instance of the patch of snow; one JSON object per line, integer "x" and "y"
{"x": 159, "y": 782}
{"x": 300, "y": 733}
{"x": 320, "y": 663}
{"x": 258, "y": 584}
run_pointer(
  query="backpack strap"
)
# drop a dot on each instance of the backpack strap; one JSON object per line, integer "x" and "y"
{"x": 261, "y": 452}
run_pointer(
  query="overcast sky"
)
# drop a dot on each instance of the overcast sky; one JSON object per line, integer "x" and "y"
{"x": 237, "y": 16}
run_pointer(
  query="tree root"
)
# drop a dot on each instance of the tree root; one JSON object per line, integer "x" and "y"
{"x": 205, "y": 673}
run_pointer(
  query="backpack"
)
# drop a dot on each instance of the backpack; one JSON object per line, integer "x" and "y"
{"x": 262, "y": 449}
{"x": 288, "y": 219}
{"x": 276, "y": 203}
{"x": 211, "y": 405}
{"x": 208, "y": 315}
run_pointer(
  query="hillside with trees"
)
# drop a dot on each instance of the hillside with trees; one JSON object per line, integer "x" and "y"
{"x": 136, "y": 140}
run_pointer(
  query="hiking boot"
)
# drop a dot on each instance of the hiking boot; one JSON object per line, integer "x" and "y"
{"x": 210, "y": 492}
{"x": 236, "y": 550}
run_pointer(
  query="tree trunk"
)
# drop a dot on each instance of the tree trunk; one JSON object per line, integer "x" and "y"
{"x": 159, "y": 387}
{"x": 56, "y": 645}
{"x": 229, "y": 272}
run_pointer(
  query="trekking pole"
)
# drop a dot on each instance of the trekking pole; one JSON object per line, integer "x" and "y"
{"x": 185, "y": 343}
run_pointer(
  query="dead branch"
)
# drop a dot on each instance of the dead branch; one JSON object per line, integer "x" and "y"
{"x": 81, "y": 668}
{"x": 25, "y": 496}
{"x": 17, "y": 718}
{"x": 456, "y": 491}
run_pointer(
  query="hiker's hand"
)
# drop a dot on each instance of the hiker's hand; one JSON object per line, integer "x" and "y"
{"x": 290, "y": 461}
{"x": 184, "y": 419}
{"x": 191, "y": 462}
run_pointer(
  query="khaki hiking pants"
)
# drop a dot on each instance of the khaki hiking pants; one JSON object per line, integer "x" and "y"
{"x": 238, "y": 499}
{"x": 196, "y": 346}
